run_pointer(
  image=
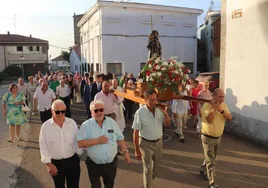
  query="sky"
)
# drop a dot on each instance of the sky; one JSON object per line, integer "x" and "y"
{"x": 52, "y": 20}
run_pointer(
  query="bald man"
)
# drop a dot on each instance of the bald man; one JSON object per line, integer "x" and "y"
{"x": 43, "y": 97}
{"x": 214, "y": 115}
{"x": 109, "y": 99}
{"x": 23, "y": 88}
{"x": 58, "y": 147}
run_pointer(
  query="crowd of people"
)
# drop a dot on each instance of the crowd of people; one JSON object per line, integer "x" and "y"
{"x": 61, "y": 142}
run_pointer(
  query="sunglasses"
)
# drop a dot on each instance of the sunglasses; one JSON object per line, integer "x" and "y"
{"x": 59, "y": 111}
{"x": 98, "y": 110}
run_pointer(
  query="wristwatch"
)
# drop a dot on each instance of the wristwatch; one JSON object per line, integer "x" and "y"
{"x": 125, "y": 151}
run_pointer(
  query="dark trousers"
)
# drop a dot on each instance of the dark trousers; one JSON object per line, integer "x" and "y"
{"x": 106, "y": 171}
{"x": 45, "y": 115}
{"x": 68, "y": 169}
{"x": 88, "y": 110}
{"x": 66, "y": 101}
{"x": 128, "y": 108}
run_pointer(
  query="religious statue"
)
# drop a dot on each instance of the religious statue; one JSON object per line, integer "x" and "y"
{"x": 154, "y": 45}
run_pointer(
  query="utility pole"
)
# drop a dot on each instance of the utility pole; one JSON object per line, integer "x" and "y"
{"x": 14, "y": 22}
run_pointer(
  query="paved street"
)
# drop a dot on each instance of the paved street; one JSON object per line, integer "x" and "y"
{"x": 240, "y": 163}
{"x": 10, "y": 154}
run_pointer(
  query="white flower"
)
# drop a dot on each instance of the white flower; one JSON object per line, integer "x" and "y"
{"x": 151, "y": 79}
{"x": 159, "y": 73}
{"x": 189, "y": 71}
{"x": 165, "y": 63}
{"x": 157, "y": 67}
{"x": 163, "y": 68}
{"x": 153, "y": 74}
{"x": 150, "y": 65}
{"x": 147, "y": 78}
{"x": 176, "y": 72}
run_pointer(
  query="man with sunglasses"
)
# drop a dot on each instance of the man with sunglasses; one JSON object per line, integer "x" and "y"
{"x": 44, "y": 98}
{"x": 100, "y": 135}
{"x": 147, "y": 136}
{"x": 58, "y": 147}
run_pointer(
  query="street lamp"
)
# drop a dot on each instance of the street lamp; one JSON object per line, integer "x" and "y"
{"x": 22, "y": 67}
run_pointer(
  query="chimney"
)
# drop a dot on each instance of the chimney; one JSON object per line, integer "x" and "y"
{"x": 8, "y": 33}
{"x": 30, "y": 36}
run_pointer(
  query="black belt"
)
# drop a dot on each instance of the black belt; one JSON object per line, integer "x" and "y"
{"x": 150, "y": 140}
{"x": 66, "y": 159}
{"x": 109, "y": 114}
{"x": 64, "y": 97}
{"x": 210, "y": 136}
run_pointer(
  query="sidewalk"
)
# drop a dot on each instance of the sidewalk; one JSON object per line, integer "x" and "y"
{"x": 240, "y": 163}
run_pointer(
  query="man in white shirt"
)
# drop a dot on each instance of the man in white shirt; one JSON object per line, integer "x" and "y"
{"x": 63, "y": 93}
{"x": 23, "y": 88}
{"x": 109, "y": 99}
{"x": 180, "y": 112}
{"x": 58, "y": 147}
{"x": 45, "y": 96}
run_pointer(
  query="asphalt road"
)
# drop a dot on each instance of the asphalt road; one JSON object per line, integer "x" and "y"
{"x": 240, "y": 163}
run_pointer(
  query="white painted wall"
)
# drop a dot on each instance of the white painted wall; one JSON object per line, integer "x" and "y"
{"x": 131, "y": 49}
{"x": 90, "y": 33}
{"x": 246, "y": 67}
{"x": 2, "y": 58}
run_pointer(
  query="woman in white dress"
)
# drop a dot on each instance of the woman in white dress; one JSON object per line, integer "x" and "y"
{"x": 120, "y": 119}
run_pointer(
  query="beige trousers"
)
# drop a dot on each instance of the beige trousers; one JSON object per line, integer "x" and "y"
{"x": 181, "y": 120}
{"x": 210, "y": 147}
{"x": 151, "y": 155}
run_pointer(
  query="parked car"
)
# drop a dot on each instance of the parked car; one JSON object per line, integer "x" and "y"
{"x": 212, "y": 77}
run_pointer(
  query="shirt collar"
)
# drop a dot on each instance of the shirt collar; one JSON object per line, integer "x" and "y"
{"x": 53, "y": 122}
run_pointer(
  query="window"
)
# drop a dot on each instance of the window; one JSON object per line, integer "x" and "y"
{"x": 19, "y": 48}
{"x": 31, "y": 48}
{"x": 114, "y": 68}
{"x": 190, "y": 66}
{"x": 91, "y": 67}
{"x": 37, "y": 48}
{"x": 98, "y": 67}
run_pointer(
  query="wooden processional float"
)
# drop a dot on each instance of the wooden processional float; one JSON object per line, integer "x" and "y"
{"x": 137, "y": 95}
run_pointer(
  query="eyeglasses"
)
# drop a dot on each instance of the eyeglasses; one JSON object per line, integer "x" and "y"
{"x": 59, "y": 111}
{"x": 98, "y": 110}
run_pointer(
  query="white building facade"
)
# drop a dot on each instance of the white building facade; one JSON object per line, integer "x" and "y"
{"x": 244, "y": 66}
{"x": 114, "y": 35}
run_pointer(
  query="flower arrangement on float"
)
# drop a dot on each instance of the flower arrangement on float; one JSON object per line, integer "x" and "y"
{"x": 160, "y": 74}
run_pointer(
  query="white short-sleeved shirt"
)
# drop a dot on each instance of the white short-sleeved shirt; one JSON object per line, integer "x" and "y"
{"x": 63, "y": 91}
{"x": 44, "y": 99}
{"x": 150, "y": 126}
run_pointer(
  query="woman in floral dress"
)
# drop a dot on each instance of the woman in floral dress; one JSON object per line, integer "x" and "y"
{"x": 12, "y": 104}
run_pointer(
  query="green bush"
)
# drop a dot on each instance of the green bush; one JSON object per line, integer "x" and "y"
{"x": 3, "y": 76}
{"x": 13, "y": 71}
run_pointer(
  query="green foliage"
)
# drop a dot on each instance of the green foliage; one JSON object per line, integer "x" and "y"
{"x": 3, "y": 76}
{"x": 66, "y": 54}
{"x": 13, "y": 71}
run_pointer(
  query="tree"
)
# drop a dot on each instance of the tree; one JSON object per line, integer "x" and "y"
{"x": 66, "y": 54}
{"x": 13, "y": 71}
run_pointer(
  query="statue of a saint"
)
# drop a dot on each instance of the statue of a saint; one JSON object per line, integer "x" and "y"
{"x": 154, "y": 45}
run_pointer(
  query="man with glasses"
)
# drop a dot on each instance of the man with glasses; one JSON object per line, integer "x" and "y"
{"x": 58, "y": 147}
{"x": 44, "y": 98}
{"x": 147, "y": 136}
{"x": 214, "y": 115}
{"x": 100, "y": 135}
